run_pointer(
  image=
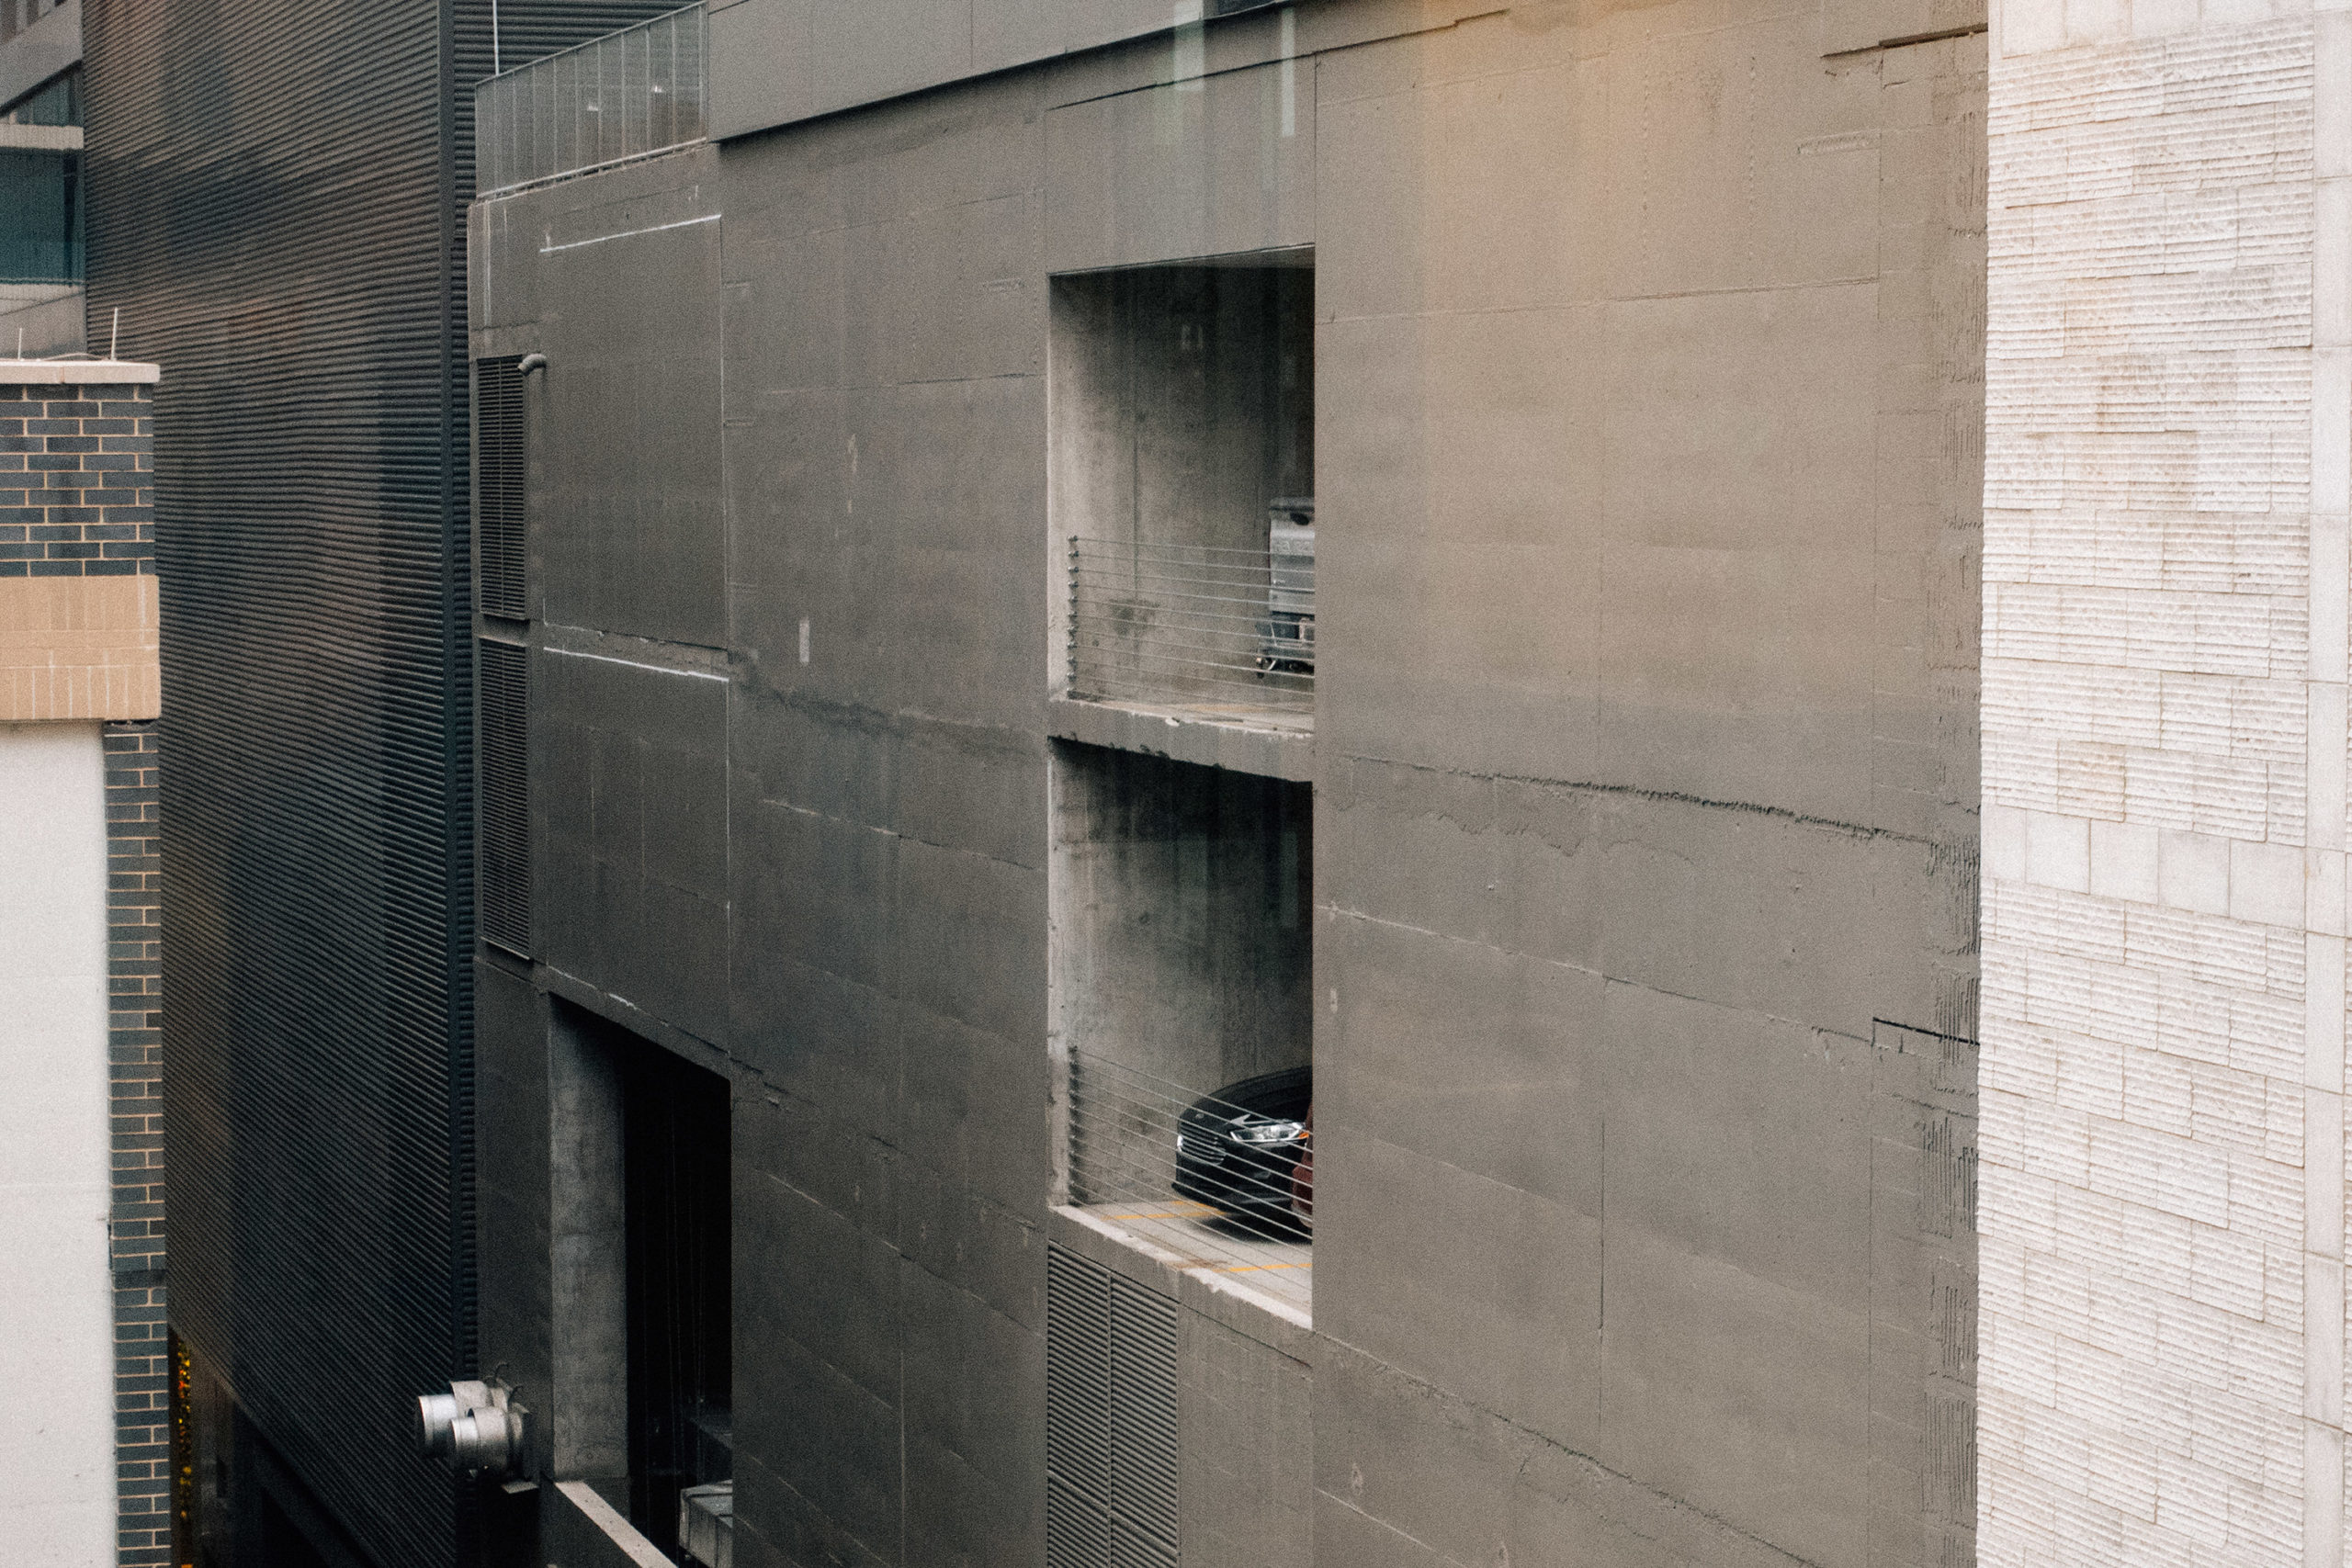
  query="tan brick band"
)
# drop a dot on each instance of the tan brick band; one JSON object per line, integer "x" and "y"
{"x": 78, "y": 647}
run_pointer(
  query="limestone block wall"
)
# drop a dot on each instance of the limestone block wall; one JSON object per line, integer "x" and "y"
{"x": 2168, "y": 451}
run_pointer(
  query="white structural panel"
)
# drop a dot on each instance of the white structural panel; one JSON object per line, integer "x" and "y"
{"x": 57, "y": 1489}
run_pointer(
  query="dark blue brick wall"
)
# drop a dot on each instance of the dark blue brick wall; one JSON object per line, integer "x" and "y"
{"x": 76, "y": 481}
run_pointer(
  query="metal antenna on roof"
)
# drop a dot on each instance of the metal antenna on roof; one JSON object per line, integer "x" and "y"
{"x": 115, "y": 337}
{"x": 494, "y": 66}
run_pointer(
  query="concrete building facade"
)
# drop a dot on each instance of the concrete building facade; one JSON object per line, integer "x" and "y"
{"x": 1618, "y": 879}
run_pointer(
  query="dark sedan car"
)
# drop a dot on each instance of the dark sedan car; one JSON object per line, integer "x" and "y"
{"x": 1246, "y": 1149}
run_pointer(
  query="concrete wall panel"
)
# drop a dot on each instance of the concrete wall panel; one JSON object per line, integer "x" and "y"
{"x": 1645, "y": 743}
{"x": 631, "y": 889}
{"x": 1207, "y": 167}
{"x": 1246, "y": 1484}
{"x": 1745, "y": 1398}
{"x": 625, "y": 420}
{"x": 512, "y": 1178}
{"x": 1490, "y": 1292}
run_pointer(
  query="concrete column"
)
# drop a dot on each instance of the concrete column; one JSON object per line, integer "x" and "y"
{"x": 57, "y": 1501}
{"x": 2168, "y": 472}
{"x": 589, "y": 1334}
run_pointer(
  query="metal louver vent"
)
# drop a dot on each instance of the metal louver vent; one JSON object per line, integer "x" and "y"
{"x": 1110, "y": 1420}
{"x": 502, "y": 690}
{"x": 500, "y": 543}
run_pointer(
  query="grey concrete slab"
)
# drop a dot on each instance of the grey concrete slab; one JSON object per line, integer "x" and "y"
{"x": 1744, "y": 1397}
{"x": 1239, "y": 742}
{"x": 957, "y": 1514}
{"x": 1490, "y": 1062}
{"x": 993, "y": 1253}
{"x": 630, "y": 890}
{"x": 1746, "y": 1140}
{"x": 813, "y": 1034}
{"x": 1207, "y": 167}
{"x": 972, "y": 944}
{"x": 981, "y": 789}
{"x": 974, "y": 1381}
{"x": 1524, "y": 172}
{"x": 776, "y": 1522}
{"x": 974, "y": 1110}
{"x": 840, "y": 1322}
{"x": 512, "y": 1178}
{"x": 1247, "y": 1450}
{"x": 1487, "y": 1290}
{"x": 1746, "y": 909}
{"x": 1346, "y": 1534}
{"x": 1407, "y": 1472}
{"x": 624, "y": 423}
{"x": 811, "y": 1151}
{"x": 1468, "y": 591}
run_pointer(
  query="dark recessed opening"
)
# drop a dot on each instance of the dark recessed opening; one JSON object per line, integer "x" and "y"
{"x": 681, "y": 1362}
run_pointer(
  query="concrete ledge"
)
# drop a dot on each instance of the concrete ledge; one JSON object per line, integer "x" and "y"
{"x": 78, "y": 373}
{"x": 1275, "y": 1324}
{"x": 1237, "y": 745}
{"x": 582, "y": 1530}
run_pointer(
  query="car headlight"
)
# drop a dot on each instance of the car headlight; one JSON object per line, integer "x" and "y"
{"x": 1266, "y": 1134}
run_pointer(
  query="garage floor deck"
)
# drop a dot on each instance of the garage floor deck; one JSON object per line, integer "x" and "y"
{"x": 1203, "y": 1238}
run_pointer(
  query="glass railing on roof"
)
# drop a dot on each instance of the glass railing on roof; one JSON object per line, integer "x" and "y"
{"x": 624, "y": 95}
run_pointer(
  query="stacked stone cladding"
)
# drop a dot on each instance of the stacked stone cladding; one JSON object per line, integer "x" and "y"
{"x": 2164, "y": 740}
{"x": 76, "y": 480}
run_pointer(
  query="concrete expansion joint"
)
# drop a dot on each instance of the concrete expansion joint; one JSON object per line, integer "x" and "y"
{"x": 978, "y": 740}
{"x": 896, "y": 835}
{"x": 655, "y": 653}
{"x": 1660, "y": 797}
{"x": 1607, "y": 978}
{"x": 1907, "y": 41}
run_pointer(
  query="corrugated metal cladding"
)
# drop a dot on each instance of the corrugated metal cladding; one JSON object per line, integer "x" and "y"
{"x": 278, "y": 191}
{"x": 1111, "y": 1430}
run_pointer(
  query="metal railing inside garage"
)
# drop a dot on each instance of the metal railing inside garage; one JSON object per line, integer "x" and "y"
{"x": 1207, "y": 633}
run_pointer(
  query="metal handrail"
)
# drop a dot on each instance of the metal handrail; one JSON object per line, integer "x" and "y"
{"x": 629, "y": 95}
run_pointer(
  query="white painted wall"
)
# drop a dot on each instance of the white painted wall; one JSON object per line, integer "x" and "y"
{"x": 57, "y": 1490}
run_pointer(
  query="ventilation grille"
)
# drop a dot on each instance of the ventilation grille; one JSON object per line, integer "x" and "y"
{"x": 1110, "y": 1420}
{"x": 502, "y": 691}
{"x": 500, "y": 540}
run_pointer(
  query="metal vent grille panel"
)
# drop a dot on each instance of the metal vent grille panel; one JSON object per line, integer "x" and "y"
{"x": 1111, "y": 1424}
{"x": 501, "y": 540}
{"x": 501, "y": 698}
